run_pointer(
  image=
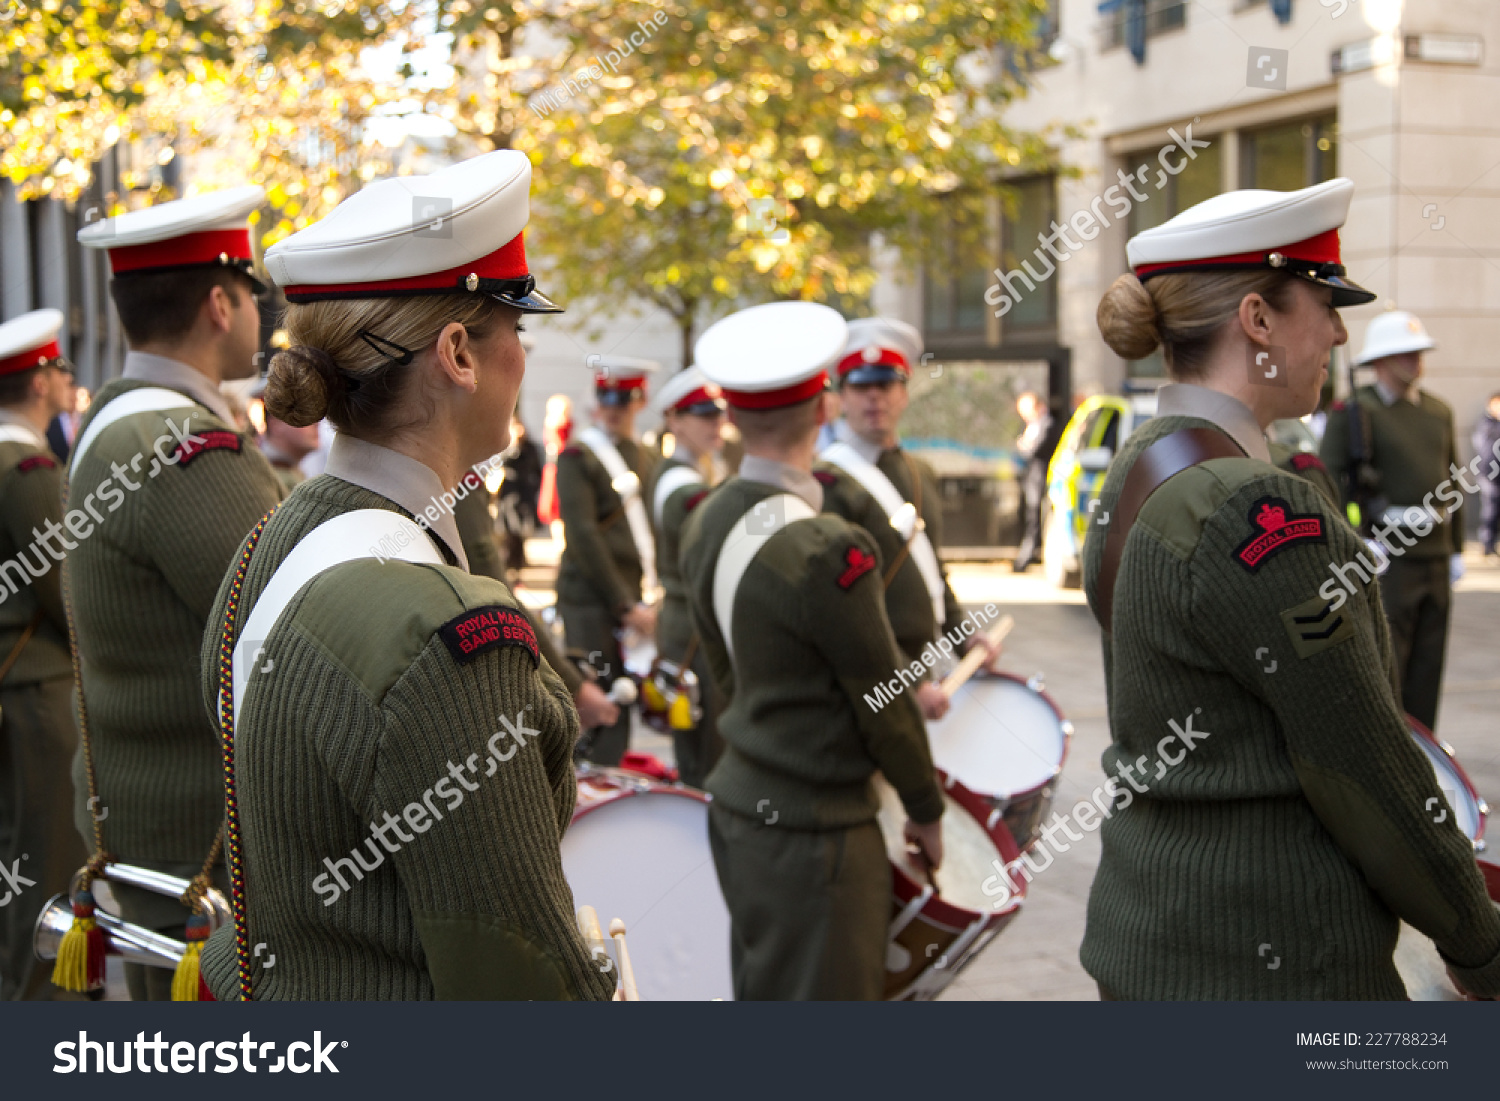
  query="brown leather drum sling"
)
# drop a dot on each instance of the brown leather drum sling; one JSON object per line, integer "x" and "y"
{"x": 1170, "y": 455}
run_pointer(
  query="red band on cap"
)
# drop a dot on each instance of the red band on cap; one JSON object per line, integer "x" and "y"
{"x": 700, "y": 396}
{"x": 619, "y": 382}
{"x": 506, "y": 262}
{"x": 773, "y": 399}
{"x": 25, "y": 361}
{"x": 191, "y": 248}
{"x": 1322, "y": 249}
{"x": 888, "y": 357}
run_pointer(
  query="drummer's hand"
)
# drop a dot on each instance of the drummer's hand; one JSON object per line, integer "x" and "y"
{"x": 992, "y": 652}
{"x": 932, "y": 700}
{"x": 929, "y": 839}
{"x": 642, "y": 618}
{"x": 1460, "y": 988}
{"x": 595, "y": 708}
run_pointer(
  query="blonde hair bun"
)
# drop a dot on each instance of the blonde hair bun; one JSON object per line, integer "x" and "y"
{"x": 1128, "y": 320}
{"x": 297, "y": 388}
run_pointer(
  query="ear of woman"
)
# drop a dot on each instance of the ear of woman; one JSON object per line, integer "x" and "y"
{"x": 456, "y": 358}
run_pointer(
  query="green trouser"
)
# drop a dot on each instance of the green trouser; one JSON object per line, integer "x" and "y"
{"x": 591, "y": 629}
{"x": 808, "y": 909}
{"x": 37, "y": 840}
{"x": 697, "y": 749}
{"x": 161, "y": 914}
{"x": 1418, "y": 597}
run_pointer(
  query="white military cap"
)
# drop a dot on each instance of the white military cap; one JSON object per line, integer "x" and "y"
{"x": 456, "y": 231}
{"x": 204, "y": 231}
{"x": 619, "y": 380}
{"x": 1292, "y": 231}
{"x": 880, "y": 349}
{"x": 772, "y": 355}
{"x": 1392, "y": 334}
{"x": 30, "y": 341}
{"x": 689, "y": 392}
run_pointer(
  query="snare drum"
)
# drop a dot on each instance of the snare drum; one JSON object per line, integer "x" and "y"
{"x": 1469, "y": 810}
{"x": 934, "y": 934}
{"x": 1006, "y": 740}
{"x": 638, "y": 850}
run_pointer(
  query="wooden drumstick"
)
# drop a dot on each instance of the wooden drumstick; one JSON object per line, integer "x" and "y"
{"x": 593, "y": 935}
{"x": 975, "y": 657}
{"x": 627, "y": 974}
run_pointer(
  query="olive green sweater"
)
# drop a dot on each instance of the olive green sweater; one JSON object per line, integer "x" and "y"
{"x": 674, "y": 619}
{"x": 811, "y": 639}
{"x": 143, "y": 585}
{"x": 599, "y": 564}
{"x": 1299, "y": 818}
{"x": 370, "y": 711}
{"x": 30, "y": 500}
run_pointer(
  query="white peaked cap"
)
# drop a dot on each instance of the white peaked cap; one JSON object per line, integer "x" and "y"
{"x": 209, "y": 230}
{"x": 1394, "y": 333}
{"x": 29, "y": 340}
{"x": 772, "y": 355}
{"x": 687, "y": 388}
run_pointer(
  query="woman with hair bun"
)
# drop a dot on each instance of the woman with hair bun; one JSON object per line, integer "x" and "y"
{"x": 1268, "y": 824}
{"x": 398, "y": 756}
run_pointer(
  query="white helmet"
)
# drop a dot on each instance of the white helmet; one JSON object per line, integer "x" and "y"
{"x": 1394, "y": 333}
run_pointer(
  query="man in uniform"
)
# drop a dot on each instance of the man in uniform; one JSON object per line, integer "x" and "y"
{"x": 1035, "y": 448}
{"x": 1411, "y": 444}
{"x": 867, "y": 465}
{"x": 606, "y": 580}
{"x": 788, "y": 604}
{"x": 173, "y": 489}
{"x": 692, "y": 410}
{"x": 39, "y": 849}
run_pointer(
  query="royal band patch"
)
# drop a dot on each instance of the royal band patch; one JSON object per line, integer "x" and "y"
{"x": 1306, "y": 460}
{"x": 1275, "y": 527}
{"x": 859, "y": 563}
{"x": 216, "y": 439}
{"x": 483, "y": 629}
{"x": 36, "y": 462}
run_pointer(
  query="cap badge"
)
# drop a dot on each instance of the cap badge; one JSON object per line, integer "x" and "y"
{"x": 870, "y": 354}
{"x": 472, "y": 282}
{"x": 1415, "y": 326}
{"x": 223, "y": 257}
{"x": 1276, "y": 260}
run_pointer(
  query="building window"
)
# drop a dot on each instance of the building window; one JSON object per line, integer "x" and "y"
{"x": 1168, "y": 195}
{"x": 1160, "y": 17}
{"x": 1291, "y": 155}
{"x": 1027, "y": 220}
{"x": 953, "y": 303}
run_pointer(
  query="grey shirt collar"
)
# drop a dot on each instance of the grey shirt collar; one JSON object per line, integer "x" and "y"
{"x": 753, "y": 468}
{"x": 1183, "y": 399}
{"x": 1390, "y": 396}
{"x": 844, "y": 434}
{"x": 175, "y": 375}
{"x": 399, "y": 478}
{"x": 18, "y": 421}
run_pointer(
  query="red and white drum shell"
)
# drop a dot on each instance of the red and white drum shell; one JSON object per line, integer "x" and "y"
{"x": 935, "y": 933}
{"x": 638, "y": 850}
{"x": 1469, "y": 809}
{"x": 1006, "y": 739}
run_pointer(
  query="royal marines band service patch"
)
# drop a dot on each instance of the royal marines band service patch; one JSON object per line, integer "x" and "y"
{"x": 1275, "y": 528}
{"x": 197, "y": 443}
{"x": 480, "y": 630}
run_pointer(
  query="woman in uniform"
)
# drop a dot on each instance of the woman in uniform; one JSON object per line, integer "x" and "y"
{"x": 398, "y": 758}
{"x": 1272, "y": 817}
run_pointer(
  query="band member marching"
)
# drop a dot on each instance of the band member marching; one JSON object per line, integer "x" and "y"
{"x": 692, "y": 411}
{"x": 398, "y": 759}
{"x": 174, "y": 487}
{"x": 789, "y": 607}
{"x": 606, "y": 580}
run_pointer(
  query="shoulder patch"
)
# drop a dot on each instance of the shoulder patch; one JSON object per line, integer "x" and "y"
{"x": 1306, "y": 460}
{"x": 695, "y": 500}
{"x": 1316, "y": 625}
{"x": 488, "y": 628}
{"x": 858, "y": 564}
{"x": 571, "y": 449}
{"x": 213, "y": 439}
{"x": 36, "y": 462}
{"x": 827, "y": 477}
{"x": 1274, "y": 527}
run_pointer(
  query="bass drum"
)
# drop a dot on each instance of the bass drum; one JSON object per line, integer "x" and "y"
{"x": 638, "y": 850}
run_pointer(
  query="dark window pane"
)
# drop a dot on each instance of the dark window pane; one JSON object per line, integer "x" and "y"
{"x": 1025, "y": 225}
{"x": 1199, "y": 179}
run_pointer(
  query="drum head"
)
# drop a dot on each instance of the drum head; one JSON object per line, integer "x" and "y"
{"x": 645, "y": 858}
{"x": 1454, "y": 783}
{"x": 1000, "y": 738}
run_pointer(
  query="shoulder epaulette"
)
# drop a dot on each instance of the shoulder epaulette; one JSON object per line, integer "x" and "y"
{"x": 695, "y": 500}
{"x": 827, "y": 477}
{"x": 36, "y": 462}
{"x": 1306, "y": 460}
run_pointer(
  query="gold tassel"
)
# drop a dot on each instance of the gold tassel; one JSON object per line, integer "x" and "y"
{"x": 680, "y": 717}
{"x": 185, "y": 978}
{"x": 80, "y": 955}
{"x": 655, "y": 701}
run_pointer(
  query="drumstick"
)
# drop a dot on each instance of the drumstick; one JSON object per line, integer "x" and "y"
{"x": 593, "y": 935}
{"x": 975, "y": 657}
{"x": 627, "y": 975}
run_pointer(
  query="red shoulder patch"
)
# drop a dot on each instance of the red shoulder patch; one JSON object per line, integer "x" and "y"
{"x": 695, "y": 500}
{"x": 488, "y": 628}
{"x": 215, "y": 439}
{"x": 571, "y": 449}
{"x": 1306, "y": 460}
{"x": 827, "y": 477}
{"x": 1274, "y": 527}
{"x": 1338, "y": 406}
{"x": 859, "y": 563}
{"x": 36, "y": 462}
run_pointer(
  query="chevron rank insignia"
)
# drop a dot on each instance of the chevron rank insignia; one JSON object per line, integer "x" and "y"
{"x": 1314, "y": 626}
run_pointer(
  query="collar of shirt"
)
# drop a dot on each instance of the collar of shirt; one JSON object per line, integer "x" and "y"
{"x": 16, "y": 420}
{"x": 870, "y": 451}
{"x": 753, "y": 468}
{"x": 175, "y": 375}
{"x": 1390, "y": 396}
{"x": 1183, "y": 399}
{"x": 399, "y": 478}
